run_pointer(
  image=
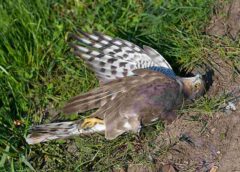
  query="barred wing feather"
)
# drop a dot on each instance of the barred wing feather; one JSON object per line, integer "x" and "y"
{"x": 112, "y": 58}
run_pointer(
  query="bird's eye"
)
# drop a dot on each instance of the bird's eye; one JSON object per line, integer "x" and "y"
{"x": 196, "y": 86}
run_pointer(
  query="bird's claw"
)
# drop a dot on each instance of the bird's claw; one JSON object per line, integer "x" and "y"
{"x": 91, "y": 122}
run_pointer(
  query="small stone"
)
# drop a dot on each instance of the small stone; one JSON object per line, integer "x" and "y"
{"x": 213, "y": 130}
{"x": 231, "y": 106}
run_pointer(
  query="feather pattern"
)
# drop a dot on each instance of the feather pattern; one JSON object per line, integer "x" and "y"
{"x": 60, "y": 130}
{"x": 100, "y": 96}
{"x": 112, "y": 58}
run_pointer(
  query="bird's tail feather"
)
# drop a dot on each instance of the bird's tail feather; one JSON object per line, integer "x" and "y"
{"x": 46, "y": 132}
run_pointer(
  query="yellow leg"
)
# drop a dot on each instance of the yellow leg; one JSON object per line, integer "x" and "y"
{"x": 90, "y": 122}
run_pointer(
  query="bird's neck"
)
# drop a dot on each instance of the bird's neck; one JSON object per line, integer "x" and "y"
{"x": 185, "y": 86}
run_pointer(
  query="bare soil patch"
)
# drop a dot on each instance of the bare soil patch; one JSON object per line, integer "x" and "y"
{"x": 226, "y": 20}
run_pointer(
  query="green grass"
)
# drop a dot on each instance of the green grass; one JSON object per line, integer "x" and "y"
{"x": 38, "y": 72}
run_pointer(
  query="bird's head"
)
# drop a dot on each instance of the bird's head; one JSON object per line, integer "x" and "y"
{"x": 193, "y": 87}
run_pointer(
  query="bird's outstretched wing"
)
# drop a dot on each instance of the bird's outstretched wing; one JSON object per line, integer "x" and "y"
{"x": 98, "y": 97}
{"x": 112, "y": 58}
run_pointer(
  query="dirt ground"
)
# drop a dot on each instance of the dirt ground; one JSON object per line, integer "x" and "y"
{"x": 226, "y": 21}
{"x": 214, "y": 144}
{"x": 211, "y": 145}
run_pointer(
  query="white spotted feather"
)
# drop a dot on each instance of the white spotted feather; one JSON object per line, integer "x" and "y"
{"x": 112, "y": 58}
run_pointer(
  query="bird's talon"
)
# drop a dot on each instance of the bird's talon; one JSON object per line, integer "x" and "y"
{"x": 91, "y": 122}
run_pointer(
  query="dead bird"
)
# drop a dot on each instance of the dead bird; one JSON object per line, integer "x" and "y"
{"x": 137, "y": 87}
